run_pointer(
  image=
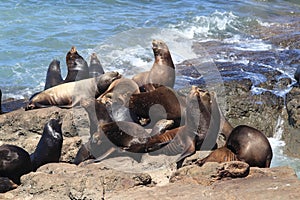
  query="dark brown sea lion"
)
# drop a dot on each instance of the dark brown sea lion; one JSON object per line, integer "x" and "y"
{"x": 161, "y": 103}
{"x": 6, "y": 184}
{"x": 14, "y": 162}
{"x": 95, "y": 68}
{"x": 162, "y": 71}
{"x": 251, "y": 146}
{"x": 199, "y": 132}
{"x": 297, "y": 76}
{"x": 68, "y": 95}
{"x": 219, "y": 155}
{"x": 77, "y": 67}
{"x": 121, "y": 138}
{"x": 48, "y": 149}
{"x": 53, "y": 76}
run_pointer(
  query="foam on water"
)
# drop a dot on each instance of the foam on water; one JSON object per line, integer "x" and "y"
{"x": 278, "y": 145}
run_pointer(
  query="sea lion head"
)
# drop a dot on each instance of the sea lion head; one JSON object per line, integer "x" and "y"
{"x": 80, "y": 65}
{"x": 54, "y": 66}
{"x": 161, "y": 52}
{"x": 71, "y": 56}
{"x": 104, "y": 80}
{"x": 53, "y": 128}
{"x": 94, "y": 59}
{"x": 196, "y": 112}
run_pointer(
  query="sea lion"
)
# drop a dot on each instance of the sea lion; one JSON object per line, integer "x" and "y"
{"x": 162, "y": 71}
{"x": 117, "y": 97}
{"x": 199, "y": 132}
{"x": 222, "y": 154}
{"x": 251, "y": 146}
{"x": 226, "y": 127}
{"x": 48, "y": 149}
{"x": 6, "y": 184}
{"x": 121, "y": 138}
{"x": 68, "y": 95}
{"x": 14, "y": 162}
{"x": 77, "y": 67}
{"x": 95, "y": 68}
{"x": 161, "y": 103}
{"x": 53, "y": 76}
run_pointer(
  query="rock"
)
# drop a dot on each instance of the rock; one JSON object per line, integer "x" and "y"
{"x": 267, "y": 183}
{"x": 292, "y": 137}
{"x": 210, "y": 172}
{"x": 62, "y": 181}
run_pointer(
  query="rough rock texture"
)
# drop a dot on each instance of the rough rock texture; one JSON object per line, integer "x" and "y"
{"x": 292, "y": 137}
{"x": 96, "y": 181}
{"x": 210, "y": 172}
{"x": 67, "y": 181}
{"x": 275, "y": 183}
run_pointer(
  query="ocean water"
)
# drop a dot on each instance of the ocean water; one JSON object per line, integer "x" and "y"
{"x": 32, "y": 33}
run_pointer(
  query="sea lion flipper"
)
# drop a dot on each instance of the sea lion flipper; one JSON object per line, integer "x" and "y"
{"x": 107, "y": 153}
{"x": 189, "y": 150}
{"x": 157, "y": 146}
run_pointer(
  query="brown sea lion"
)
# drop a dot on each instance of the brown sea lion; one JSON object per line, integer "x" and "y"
{"x": 53, "y": 76}
{"x": 121, "y": 138}
{"x": 95, "y": 68}
{"x": 68, "y": 95}
{"x": 226, "y": 127}
{"x": 219, "y": 155}
{"x": 14, "y": 162}
{"x": 199, "y": 132}
{"x": 48, "y": 149}
{"x": 251, "y": 146}
{"x": 117, "y": 97}
{"x": 161, "y": 103}
{"x": 162, "y": 71}
{"x": 77, "y": 67}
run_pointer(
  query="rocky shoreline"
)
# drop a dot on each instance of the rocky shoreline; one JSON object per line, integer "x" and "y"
{"x": 96, "y": 181}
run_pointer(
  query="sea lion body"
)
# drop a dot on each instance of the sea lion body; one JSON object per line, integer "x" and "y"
{"x": 49, "y": 147}
{"x": 121, "y": 138}
{"x": 161, "y": 103}
{"x": 198, "y": 133}
{"x": 6, "y": 185}
{"x": 95, "y": 68}
{"x": 77, "y": 67}
{"x": 117, "y": 97}
{"x": 53, "y": 76}
{"x": 14, "y": 162}
{"x": 219, "y": 155}
{"x": 251, "y": 146}
{"x": 209, "y": 102}
{"x": 162, "y": 71}
{"x": 68, "y": 95}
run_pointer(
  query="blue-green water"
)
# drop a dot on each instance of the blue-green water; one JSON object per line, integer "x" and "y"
{"x": 32, "y": 33}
